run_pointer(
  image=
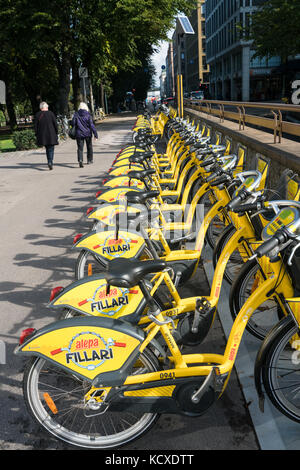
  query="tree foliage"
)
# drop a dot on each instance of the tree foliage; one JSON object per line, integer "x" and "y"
{"x": 44, "y": 43}
{"x": 275, "y": 29}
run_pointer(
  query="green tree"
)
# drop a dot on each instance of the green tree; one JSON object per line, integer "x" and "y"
{"x": 275, "y": 29}
{"x": 44, "y": 43}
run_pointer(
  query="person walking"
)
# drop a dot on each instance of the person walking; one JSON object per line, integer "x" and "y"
{"x": 85, "y": 128}
{"x": 46, "y": 131}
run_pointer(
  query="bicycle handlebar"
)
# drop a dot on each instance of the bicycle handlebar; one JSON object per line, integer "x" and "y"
{"x": 248, "y": 207}
{"x": 220, "y": 180}
{"x": 212, "y": 176}
{"x": 207, "y": 162}
{"x": 280, "y": 237}
{"x": 237, "y": 200}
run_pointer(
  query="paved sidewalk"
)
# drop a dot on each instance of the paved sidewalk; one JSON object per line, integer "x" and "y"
{"x": 41, "y": 211}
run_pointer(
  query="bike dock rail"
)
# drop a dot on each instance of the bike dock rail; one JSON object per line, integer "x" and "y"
{"x": 274, "y": 431}
{"x": 264, "y": 128}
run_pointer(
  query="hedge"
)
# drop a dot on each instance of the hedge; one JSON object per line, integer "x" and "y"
{"x": 24, "y": 140}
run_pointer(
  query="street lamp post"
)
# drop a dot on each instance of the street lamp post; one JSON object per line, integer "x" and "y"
{"x": 184, "y": 27}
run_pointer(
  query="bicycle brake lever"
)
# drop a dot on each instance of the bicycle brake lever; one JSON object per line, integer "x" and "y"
{"x": 289, "y": 262}
{"x": 158, "y": 322}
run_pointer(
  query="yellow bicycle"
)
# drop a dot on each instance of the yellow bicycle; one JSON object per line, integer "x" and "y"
{"x": 122, "y": 382}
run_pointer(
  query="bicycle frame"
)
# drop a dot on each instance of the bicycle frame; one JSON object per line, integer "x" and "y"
{"x": 103, "y": 373}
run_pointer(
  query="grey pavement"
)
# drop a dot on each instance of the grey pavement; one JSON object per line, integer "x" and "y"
{"x": 40, "y": 212}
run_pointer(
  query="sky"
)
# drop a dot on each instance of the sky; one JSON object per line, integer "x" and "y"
{"x": 159, "y": 59}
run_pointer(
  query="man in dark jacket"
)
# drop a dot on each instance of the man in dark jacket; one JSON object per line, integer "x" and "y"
{"x": 46, "y": 131}
{"x": 85, "y": 128}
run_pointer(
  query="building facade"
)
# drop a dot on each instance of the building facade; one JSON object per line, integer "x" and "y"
{"x": 187, "y": 54}
{"x": 170, "y": 73}
{"x": 196, "y": 68}
{"x": 234, "y": 73}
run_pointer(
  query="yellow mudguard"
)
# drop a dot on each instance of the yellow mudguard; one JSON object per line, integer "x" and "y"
{"x": 124, "y": 181}
{"x": 85, "y": 346}
{"x": 115, "y": 194}
{"x": 106, "y": 247}
{"x": 106, "y": 212}
{"x": 89, "y": 296}
{"x": 123, "y": 170}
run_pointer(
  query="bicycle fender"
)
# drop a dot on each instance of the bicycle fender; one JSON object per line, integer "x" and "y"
{"x": 124, "y": 181}
{"x": 261, "y": 357}
{"x": 115, "y": 194}
{"x": 106, "y": 212}
{"x": 89, "y": 296}
{"x": 229, "y": 228}
{"x": 88, "y": 347}
{"x": 107, "y": 247}
{"x": 123, "y": 170}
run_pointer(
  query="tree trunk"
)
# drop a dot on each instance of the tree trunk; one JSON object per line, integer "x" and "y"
{"x": 102, "y": 96}
{"x": 33, "y": 96}
{"x": 10, "y": 108}
{"x": 91, "y": 98}
{"x": 77, "y": 97}
{"x": 6, "y": 76}
{"x": 64, "y": 68}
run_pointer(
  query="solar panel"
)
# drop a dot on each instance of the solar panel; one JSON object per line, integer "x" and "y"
{"x": 186, "y": 25}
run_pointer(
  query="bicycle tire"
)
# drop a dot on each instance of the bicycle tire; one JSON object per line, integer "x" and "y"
{"x": 280, "y": 371}
{"x": 42, "y": 376}
{"x": 85, "y": 258}
{"x": 268, "y": 313}
{"x": 235, "y": 261}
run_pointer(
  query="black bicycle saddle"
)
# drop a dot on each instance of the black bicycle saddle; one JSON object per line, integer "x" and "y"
{"x": 140, "y": 175}
{"x": 134, "y": 197}
{"x": 128, "y": 273}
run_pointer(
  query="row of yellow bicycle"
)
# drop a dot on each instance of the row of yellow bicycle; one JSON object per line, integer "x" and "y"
{"x": 101, "y": 375}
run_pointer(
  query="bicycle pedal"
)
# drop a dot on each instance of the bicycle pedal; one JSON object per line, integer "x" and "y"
{"x": 203, "y": 316}
{"x": 202, "y": 304}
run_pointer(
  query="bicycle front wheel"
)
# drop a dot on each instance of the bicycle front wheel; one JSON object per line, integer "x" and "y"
{"x": 55, "y": 399}
{"x": 236, "y": 260}
{"x": 269, "y": 311}
{"x": 88, "y": 264}
{"x": 281, "y": 371}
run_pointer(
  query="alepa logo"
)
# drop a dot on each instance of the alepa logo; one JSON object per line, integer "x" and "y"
{"x": 108, "y": 303}
{"x": 88, "y": 350}
{"x": 115, "y": 248}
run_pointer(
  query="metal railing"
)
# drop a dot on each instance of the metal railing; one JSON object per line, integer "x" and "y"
{"x": 236, "y": 111}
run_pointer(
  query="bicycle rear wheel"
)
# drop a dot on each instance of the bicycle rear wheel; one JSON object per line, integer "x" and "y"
{"x": 55, "y": 399}
{"x": 88, "y": 264}
{"x": 267, "y": 314}
{"x": 281, "y": 369}
{"x": 236, "y": 260}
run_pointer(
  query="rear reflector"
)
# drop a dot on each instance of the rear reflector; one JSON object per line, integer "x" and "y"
{"x": 54, "y": 293}
{"x": 90, "y": 209}
{"x": 26, "y": 334}
{"x": 76, "y": 238}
